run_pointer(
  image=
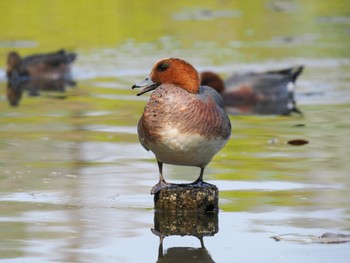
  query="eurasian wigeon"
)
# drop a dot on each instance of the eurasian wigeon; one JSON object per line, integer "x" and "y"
{"x": 183, "y": 123}
{"x": 267, "y": 93}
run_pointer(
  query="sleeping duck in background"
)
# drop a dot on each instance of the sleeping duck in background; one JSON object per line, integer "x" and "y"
{"x": 267, "y": 93}
{"x": 49, "y": 72}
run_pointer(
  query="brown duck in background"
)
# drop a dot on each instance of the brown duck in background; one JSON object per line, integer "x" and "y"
{"x": 50, "y": 72}
{"x": 53, "y": 65}
{"x": 267, "y": 93}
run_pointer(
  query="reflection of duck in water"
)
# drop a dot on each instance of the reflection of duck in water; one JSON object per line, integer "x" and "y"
{"x": 50, "y": 72}
{"x": 267, "y": 93}
{"x": 185, "y": 254}
{"x": 182, "y": 254}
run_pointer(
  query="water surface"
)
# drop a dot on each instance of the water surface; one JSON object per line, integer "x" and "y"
{"x": 75, "y": 182}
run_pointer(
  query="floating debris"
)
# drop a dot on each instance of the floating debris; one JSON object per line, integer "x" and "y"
{"x": 326, "y": 238}
{"x": 298, "y": 142}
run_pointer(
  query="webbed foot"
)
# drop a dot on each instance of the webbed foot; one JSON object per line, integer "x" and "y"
{"x": 161, "y": 185}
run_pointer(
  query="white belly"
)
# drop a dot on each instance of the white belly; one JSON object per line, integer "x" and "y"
{"x": 186, "y": 148}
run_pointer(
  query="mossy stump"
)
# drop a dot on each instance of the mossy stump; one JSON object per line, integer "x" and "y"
{"x": 188, "y": 197}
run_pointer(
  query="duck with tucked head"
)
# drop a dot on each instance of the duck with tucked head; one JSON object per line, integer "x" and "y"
{"x": 265, "y": 93}
{"x": 183, "y": 123}
{"x": 55, "y": 65}
{"x": 47, "y": 71}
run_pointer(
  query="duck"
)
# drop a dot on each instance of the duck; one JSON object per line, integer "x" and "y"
{"x": 47, "y": 71}
{"x": 265, "y": 93}
{"x": 54, "y": 65}
{"x": 183, "y": 123}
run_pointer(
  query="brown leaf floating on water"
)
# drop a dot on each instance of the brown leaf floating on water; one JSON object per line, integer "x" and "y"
{"x": 298, "y": 142}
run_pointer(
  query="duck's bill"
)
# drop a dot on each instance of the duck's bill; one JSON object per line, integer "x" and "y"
{"x": 147, "y": 85}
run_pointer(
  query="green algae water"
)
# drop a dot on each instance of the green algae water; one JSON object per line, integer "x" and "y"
{"x": 75, "y": 182}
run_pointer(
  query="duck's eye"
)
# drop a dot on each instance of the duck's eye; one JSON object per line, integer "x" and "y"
{"x": 163, "y": 67}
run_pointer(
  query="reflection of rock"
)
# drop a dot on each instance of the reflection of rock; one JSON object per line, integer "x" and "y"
{"x": 199, "y": 224}
{"x": 188, "y": 197}
{"x": 186, "y": 224}
{"x": 43, "y": 72}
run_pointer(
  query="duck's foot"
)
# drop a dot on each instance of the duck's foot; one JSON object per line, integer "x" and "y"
{"x": 199, "y": 183}
{"x": 162, "y": 185}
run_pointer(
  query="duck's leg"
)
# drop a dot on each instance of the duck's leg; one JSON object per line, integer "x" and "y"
{"x": 162, "y": 183}
{"x": 199, "y": 182}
